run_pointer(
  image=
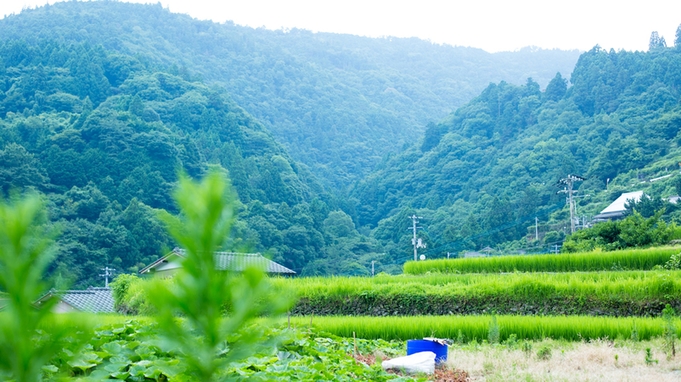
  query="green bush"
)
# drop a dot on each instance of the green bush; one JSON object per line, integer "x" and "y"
{"x": 674, "y": 262}
{"x": 130, "y": 295}
{"x": 633, "y": 231}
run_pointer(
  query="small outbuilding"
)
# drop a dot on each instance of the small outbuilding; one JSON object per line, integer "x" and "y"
{"x": 167, "y": 265}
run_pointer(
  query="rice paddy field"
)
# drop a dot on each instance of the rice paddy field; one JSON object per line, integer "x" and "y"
{"x": 630, "y": 284}
{"x": 622, "y": 293}
{"x": 567, "y": 317}
{"x": 635, "y": 259}
{"x": 464, "y": 329}
{"x": 589, "y": 316}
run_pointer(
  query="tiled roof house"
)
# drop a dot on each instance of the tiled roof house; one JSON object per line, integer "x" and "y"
{"x": 91, "y": 300}
{"x": 224, "y": 261}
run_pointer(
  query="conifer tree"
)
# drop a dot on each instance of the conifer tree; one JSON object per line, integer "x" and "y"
{"x": 656, "y": 42}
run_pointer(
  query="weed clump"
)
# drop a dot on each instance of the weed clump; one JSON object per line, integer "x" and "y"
{"x": 544, "y": 353}
{"x": 669, "y": 334}
{"x": 649, "y": 357}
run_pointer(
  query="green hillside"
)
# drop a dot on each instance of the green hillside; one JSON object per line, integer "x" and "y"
{"x": 482, "y": 175}
{"x": 102, "y": 103}
{"x": 338, "y": 102}
{"x": 106, "y": 157}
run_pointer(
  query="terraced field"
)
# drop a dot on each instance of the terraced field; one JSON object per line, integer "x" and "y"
{"x": 490, "y": 306}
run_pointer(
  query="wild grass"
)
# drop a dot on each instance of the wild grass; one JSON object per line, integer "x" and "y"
{"x": 635, "y": 259}
{"x": 599, "y": 360}
{"x": 476, "y": 328}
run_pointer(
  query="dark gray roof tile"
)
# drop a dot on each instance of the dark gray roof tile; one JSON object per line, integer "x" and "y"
{"x": 92, "y": 300}
{"x": 237, "y": 262}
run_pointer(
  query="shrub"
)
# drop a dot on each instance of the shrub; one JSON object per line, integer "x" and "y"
{"x": 674, "y": 262}
{"x": 130, "y": 295}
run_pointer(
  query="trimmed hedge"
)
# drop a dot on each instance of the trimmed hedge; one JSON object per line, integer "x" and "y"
{"x": 636, "y": 259}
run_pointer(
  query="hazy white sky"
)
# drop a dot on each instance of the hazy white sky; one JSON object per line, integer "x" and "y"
{"x": 493, "y": 25}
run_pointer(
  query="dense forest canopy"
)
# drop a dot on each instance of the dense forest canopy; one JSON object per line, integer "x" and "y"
{"x": 104, "y": 135}
{"x": 482, "y": 175}
{"x": 338, "y": 102}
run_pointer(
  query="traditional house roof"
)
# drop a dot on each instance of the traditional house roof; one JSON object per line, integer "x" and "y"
{"x": 224, "y": 261}
{"x": 91, "y": 300}
{"x": 618, "y": 208}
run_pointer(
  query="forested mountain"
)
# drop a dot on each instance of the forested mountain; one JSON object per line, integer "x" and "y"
{"x": 102, "y": 103}
{"x": 103, "y": 135}
{"x": 482, "y": 175}
{"x": 338, "y": 102}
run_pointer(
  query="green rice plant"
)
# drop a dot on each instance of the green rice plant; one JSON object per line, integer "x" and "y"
{"x": 635, "y": 284}
{"x": 476, "y": 328}
{"x": 627, "y": 293}
{"x": 617, "y": 293}
{"x": 635, "y": 259}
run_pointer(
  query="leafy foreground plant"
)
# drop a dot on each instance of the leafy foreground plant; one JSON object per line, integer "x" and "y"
{"x": 123, "y": 351}
{"x": 216, "y": 307}
{"x": 29, "y": 337}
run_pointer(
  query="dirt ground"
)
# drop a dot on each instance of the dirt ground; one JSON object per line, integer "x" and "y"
{"x": 567, "y": 361}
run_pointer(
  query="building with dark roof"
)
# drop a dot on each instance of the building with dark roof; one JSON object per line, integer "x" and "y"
{"x": 167, "y": 265}
{"x": 91, "y": 300}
